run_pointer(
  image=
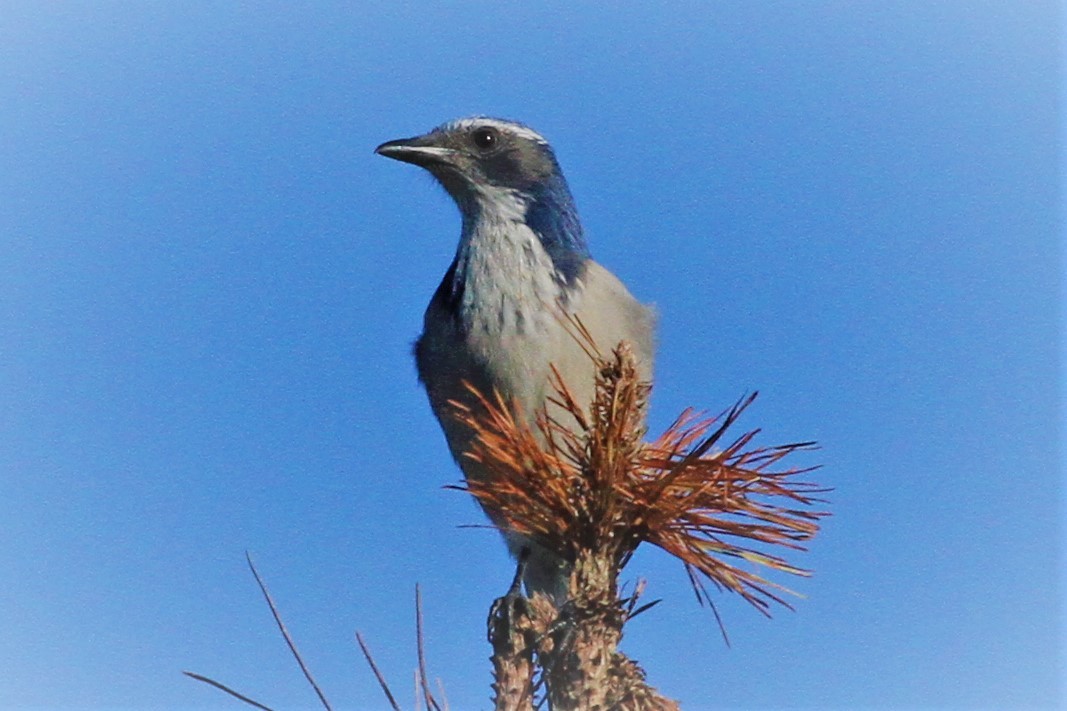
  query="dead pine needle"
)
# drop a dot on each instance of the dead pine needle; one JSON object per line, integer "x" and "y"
{"x": 222, "y": 687}
{"x": 424, "y": 681}
{"x": 424, "y": 697}
{"x": 594, "y": 484}
{"x": 285, "y": 633}
{"x": 288, "y": 640}
{"x": 377, "y": 673}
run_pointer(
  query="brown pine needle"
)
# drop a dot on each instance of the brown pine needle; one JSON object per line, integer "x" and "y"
{"x": 228, "y": 690}
{"x": 431, "y": 702}
{"x": 593, "y": 483}
{"x": 377, "y": 674}
{"x": 285, "y": 633}
{"x": 441, "y": 691}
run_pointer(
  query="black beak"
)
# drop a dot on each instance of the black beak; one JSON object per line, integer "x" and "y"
{"x": 421, "y": 150}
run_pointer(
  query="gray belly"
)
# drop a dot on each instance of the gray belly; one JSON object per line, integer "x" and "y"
{"x": 516, "y": 367}
{"x": 516, "y": 363}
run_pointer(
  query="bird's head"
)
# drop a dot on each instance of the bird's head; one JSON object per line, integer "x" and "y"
{"x": 491, "y": 163}
{"x": 474, "y": 155}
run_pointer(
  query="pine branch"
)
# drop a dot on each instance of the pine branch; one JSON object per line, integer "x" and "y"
{"x": 585, "y": 485}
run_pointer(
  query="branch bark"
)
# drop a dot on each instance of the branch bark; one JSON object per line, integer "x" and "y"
{"x": 574, "y": 648}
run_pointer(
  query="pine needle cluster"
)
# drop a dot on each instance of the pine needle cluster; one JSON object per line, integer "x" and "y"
{"x": 583, "y": 478}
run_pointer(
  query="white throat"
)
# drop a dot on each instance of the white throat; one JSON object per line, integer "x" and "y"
{"x": 510, "y": 286}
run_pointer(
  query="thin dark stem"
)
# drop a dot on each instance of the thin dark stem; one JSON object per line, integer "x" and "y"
{"x": 377, "y": 673}
{"x": 228, "y": 690}
{"x": 285, "y": 634}
{"x": 431, "y": 702}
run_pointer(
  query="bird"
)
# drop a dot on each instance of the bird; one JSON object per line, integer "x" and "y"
{"x": 498, "y": 320}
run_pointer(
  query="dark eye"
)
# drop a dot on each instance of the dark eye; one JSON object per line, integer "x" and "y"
{"x": 484, "y": 138}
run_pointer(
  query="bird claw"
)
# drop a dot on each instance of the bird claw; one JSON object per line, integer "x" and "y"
{"x": 512, "y": 606}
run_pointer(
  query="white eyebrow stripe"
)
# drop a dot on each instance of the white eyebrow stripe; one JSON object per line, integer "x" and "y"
{"x": 507, "y": 126}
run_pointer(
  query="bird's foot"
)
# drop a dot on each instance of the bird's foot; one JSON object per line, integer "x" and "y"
{"x": 510, "y": 608}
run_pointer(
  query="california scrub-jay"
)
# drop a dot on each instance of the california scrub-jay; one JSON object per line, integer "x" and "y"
{"x": 497, "y": 319}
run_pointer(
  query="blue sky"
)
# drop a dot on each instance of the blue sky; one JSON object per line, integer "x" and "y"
{"x": 209, "y": 286}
